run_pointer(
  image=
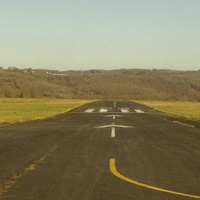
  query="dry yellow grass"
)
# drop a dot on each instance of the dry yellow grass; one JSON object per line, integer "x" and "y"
{"x": 189, "y": 110}
{"x": 19, "y": 110}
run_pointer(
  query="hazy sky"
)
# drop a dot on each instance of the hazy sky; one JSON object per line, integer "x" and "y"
{"x": 103, "y": 34}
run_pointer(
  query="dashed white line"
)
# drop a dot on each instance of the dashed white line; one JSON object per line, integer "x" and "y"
{"x": 113, "y": 132}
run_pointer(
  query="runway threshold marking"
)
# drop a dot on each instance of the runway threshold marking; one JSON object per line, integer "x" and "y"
{"x": 138, "y": 111}
{"x": 125, "y": 110}
{"x": 124, "y": 178}
{"x": 89, "y": 110}
{"x": 102, "y": 110}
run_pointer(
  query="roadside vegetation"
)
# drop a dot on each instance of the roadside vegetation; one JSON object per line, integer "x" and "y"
{"x": 41, "y": 93}
{"x": 14, "y": 110}
{"x": 189, "y": 110}
{"x": 166, "y": 85}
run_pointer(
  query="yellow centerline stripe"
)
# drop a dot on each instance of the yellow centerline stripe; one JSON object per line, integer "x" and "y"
{"x": 124, "y": 178}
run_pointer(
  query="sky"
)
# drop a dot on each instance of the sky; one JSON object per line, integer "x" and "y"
{"x": 100, "y": 34}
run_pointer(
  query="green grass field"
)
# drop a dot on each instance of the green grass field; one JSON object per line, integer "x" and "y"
{"x": 189, "y": 110}
{"x": 20, "y": 110}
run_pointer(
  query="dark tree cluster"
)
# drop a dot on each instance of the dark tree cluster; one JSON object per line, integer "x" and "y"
{"x": 101, "y": 84}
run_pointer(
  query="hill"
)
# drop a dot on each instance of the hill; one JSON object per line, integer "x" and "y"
{"x": 101, "y": 84}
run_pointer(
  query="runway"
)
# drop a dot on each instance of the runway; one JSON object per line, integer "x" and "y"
{"x": 104, "y": 150}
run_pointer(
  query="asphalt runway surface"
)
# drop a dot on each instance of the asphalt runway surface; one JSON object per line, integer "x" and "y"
{"x": 105, "y": 150}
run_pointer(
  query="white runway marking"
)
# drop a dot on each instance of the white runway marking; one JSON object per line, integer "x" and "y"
{"x": 113, "y": 132}
{"x": 114, "y": 125}
{"x": 89, "y": 110}
{"x": 113, "y": 116}
{"x": 103, "y": 110}
{"x": 138, "y": 111}
{"x": 114, "y": 104}
{"x": 125, "y": 110}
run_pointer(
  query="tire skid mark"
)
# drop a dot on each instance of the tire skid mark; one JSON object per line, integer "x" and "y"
{"x": 4, "y": 188}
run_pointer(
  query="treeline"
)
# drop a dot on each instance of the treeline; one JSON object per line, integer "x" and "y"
{"x": 101, "y": 84}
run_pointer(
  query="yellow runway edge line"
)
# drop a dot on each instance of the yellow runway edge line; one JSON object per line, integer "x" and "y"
{"x": 16, "y": 177}
{"x": 117, "y": 174}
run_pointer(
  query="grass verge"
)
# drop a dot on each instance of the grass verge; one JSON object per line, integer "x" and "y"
{"x": 189, "y": 110}
{"x": 20, "y": 110}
